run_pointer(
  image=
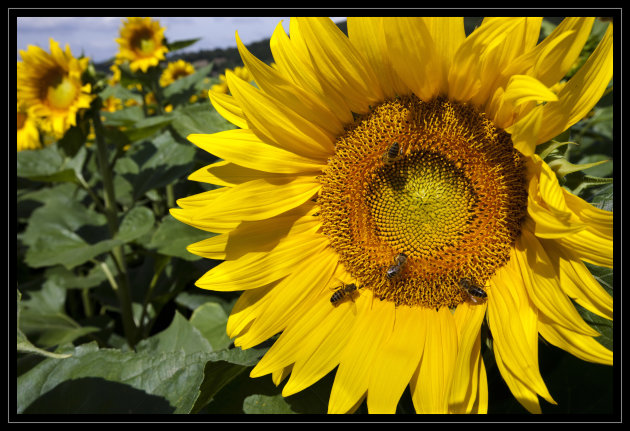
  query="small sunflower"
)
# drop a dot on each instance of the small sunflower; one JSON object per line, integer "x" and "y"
{"x": 141, "y": 43}
{"x": 27, "y": 131}
{"x": 50, "y": 86}
{"x": 222, "y": 86}
{"x": 176, "y": 70}
{"x": 397, "y": 167}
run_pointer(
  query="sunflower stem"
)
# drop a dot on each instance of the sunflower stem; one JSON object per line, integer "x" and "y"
{"x": 122, "y": 287}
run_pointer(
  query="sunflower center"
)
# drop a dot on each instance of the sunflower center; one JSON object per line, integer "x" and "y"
{"x": 420, "y": 203}
{"x": 143, "y": 42}
{"x": 434, "y": 181}
{"x": 61, "y": 92}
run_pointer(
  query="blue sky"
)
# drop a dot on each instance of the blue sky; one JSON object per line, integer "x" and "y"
{"x": 94, "y": 36}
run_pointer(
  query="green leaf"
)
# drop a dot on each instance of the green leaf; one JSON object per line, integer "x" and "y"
{"x": 65, "y": 233}
{"x": 181, "y": 335}
{"x": 199, "y": 118}
{"x": 180, "y": 44}
{"x": 137, "y": 222}
{"x": 211, "y": 320}
{"x": 46, "y": 165}
{"x": 24, "y": 345}
{"x": 43, "y": 318}
{"x": 263, "y": 404}
{"x": 173, "y": 376}
{"x": 155, "y": 164}
{"x": 172, "y": 237}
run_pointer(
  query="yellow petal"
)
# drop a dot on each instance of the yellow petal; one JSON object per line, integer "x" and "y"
{"x": 260, "y": 268}
{"x": 596, "y": 218}
{"x": 581, "y": 92}
{"x": 367, "y": 34}
{"x": 228, "y": 174}
{"x": 542, "y": 284}
{"x": 255, "y": 236}
{"x": 579, "y": 345}
{"x": 216, "y": 226}
{"x": 524, "y": 88}
{"x": 465, "y": 75}
{"x": 413, "y": 55}
{"x": 243, "y": 147}
{"x": 294, "y": 62}
{"x": 465, "y": 387}
{"x": 513, "y": 323}
{"x": 590, "y": 246}
{"x": 259, "y": 199}
{"x": 319, "y": 344}
{"x": 557, "y": 53}
{"x": 448, "y": 34}
{"x": 303, "y": 103}
{"x": 340, "y": 63}
{"x": 525, "y": 132}
{"x": 431, "y": 384}
{"x": 546, "y": 205}
{"x": 396, "y": 360}
{"x": 228, "y": 108}
{"x": 247, "y": 308}
{"x": 291, "y": 297}
{"x": 375, "y": 321}
{"x": 274, "y": 123}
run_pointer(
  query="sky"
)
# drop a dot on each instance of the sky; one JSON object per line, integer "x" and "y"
{"x": 94, "y": 36}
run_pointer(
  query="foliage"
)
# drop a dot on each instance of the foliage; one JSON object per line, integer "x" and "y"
{"x": 108, "y": 317}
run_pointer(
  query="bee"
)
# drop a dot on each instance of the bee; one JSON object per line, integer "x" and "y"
{"x": 476, "y": 294}
{"x": 393, "y": 153}
{"x": 394, "y": 270}
{"x": 342, "y": 292}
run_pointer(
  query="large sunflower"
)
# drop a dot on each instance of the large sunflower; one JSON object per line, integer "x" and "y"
{"x": 141, "y": 43}
{"x": 50, "y": 87}
{"x": 397, "y": 165}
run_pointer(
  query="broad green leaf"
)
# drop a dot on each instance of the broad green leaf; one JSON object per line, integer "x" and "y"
{"x": 70, "y": 234}
{"x": 46, "y": 165}
{"x": 155, "y": 164}
{"x": 199, "y": 118}
{"x": 44, "y": 320}
{"x": 25, "y": 346}
{"x": 210, "y": 319}
{"x": 95, "y": 395}
{"x": 137, "y": 222}
{"x": 181, "y": 335}
{"x": 263, "y": 404}
{"x": 67, "y": 234}
{"x": 63, "y": 277}
{"x": 173, "y": 376}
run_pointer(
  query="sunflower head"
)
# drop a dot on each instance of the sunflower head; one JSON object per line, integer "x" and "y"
{"x": 141, "y": 43}
{"x": 382, "y": 198}
{"x": 176, "y": 70}
{"x": 49, "y": 84}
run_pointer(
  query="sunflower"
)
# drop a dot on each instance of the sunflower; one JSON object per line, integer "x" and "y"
{"x": 222, "y": 86}
{"x": 382, "y": 199}
{"x": 141, "y": 43}
{"x": 27, "y": 131}
{"x": 176, "y": 70}
{"x": 50, "y": 86}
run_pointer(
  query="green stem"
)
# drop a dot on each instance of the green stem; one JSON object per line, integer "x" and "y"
{"x": 122, "y": 288}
